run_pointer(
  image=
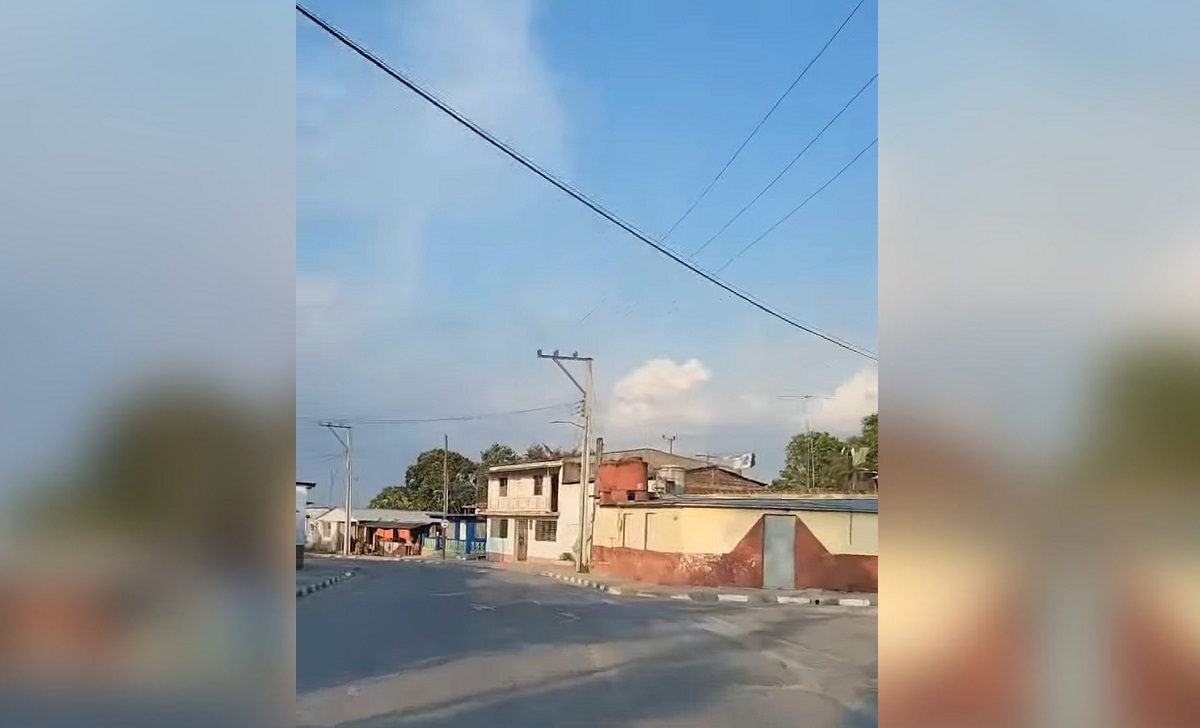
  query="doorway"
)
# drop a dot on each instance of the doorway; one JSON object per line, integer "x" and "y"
{"x": 522, "y": 551}
{"x": 779, "y": 552}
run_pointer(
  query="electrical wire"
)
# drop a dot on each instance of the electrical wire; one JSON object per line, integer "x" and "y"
{"x": 797, "y": 208}
{"x": 783, "y": 171}
{"x": 761, "y": 121}
{"x": 571, "y": 191}
{"x": 422, "y": 420}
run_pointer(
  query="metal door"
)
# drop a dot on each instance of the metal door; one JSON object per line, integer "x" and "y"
{"x": 522, "y": 538}
{"x": 779, "y": 552}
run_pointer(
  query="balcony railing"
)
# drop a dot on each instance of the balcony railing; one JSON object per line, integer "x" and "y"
{"x": 519, "y": 504}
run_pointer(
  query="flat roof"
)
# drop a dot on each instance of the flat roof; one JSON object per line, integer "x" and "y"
{"x": 518, "y": 467}
{"x": 846, "y": 505}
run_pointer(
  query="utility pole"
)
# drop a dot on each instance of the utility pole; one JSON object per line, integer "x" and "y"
{"x": 445, "y": 491}
{"x": 348, "y": 446}
{"x": 812, "y": 476}
{"x": 586, "y": 459}
{"x": 670, "y": 443}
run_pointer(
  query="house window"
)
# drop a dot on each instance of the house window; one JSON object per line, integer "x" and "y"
{"x": 504, "y": 487}
{"x": 537, "y": 485}
{"x": 500, "y": 528}
{"x": 545, "y": 530}
{"x": 326, "y": 527}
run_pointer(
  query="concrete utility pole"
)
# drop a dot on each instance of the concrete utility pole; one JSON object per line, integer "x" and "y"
{"x": 670, "y": 443}
{"x": 812, "y": 477}
{"x": 348, "y": 446}
{"x": 445, "y": 491}
{"x": 586, "y": 456}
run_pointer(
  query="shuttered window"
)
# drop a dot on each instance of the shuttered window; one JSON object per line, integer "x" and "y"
{"x": 545, "y": 530}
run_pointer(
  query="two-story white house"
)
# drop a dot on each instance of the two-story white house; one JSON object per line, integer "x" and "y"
{"x": 533, "y": 511}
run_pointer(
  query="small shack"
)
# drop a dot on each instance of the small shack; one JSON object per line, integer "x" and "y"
{"x": 394, "y": 533}
{"x": 467, "y": 534}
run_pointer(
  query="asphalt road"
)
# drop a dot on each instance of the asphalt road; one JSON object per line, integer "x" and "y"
{"x": 453, "y": 644}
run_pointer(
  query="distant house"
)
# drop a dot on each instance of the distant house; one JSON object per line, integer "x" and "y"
{"x": 679, "y": 474}
{"x": 466, "y": 536}
{"x": 532, "y": 510}
{"x": 713, "y": 479}
{"x": 377, "y": 530}
{"x": 302, "y": 489}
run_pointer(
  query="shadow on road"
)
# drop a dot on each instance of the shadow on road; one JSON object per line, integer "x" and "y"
{"x": 403, "y": 619}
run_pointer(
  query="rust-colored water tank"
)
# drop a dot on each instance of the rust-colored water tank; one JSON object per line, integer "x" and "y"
{"x": 627, "y": 474}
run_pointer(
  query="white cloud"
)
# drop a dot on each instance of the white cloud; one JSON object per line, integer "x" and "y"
{"x": 661, "y": 391}
{"x": 851, "y": 401}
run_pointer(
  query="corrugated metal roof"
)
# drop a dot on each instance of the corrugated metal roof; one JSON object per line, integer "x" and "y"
{"x": 380, "y": 514}
{"x": 392, "y": 515}
{"x": 851, "y": 505}
{"x": 395, "y": 524}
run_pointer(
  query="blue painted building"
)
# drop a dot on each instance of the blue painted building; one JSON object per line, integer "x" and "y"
{"x": 467, "y": 534}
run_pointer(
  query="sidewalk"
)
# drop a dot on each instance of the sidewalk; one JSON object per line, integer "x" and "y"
{"x": 565, "y": 572}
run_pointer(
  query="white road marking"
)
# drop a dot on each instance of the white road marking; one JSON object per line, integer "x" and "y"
{"x": 483, "y": 608}
{"x": 451, "y": 594}
{"x": 569, "y": 616}
{"x": 732, "y": 598}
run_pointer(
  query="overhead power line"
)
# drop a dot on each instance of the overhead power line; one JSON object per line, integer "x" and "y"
{"x": 760, "y": 123}
{"x": 421, "y": 420}
{"x": 797, "y": 208}
{"x": 571, "y": 191}
{"x": 783, "y": 171}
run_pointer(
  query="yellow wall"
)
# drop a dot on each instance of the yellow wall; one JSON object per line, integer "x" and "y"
{"x": 844, "y": 533}
{"x": 718, "y": 530}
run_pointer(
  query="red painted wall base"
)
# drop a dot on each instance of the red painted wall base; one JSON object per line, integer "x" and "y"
{"x": 816, "y": 568}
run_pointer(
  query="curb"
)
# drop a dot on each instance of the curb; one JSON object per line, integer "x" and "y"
{"x": 815, "y": 600}
{"x": 323, "y": 584}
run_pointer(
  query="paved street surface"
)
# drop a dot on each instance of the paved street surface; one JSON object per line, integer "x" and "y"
{"x": 316, "y": 571}
{"x": 450, "y": 644}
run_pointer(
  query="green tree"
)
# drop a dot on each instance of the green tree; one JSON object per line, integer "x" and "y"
{"x": 830, "y": 459}
{"x": 422, "y": 489}
{"x": 540, "y": 451}
{"x": 869, "y": 438}
{"x": 396, "y": 497}
{"x": 496, "y": 454}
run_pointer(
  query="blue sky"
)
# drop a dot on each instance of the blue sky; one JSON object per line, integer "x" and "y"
{"x": 430, "y": 268}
